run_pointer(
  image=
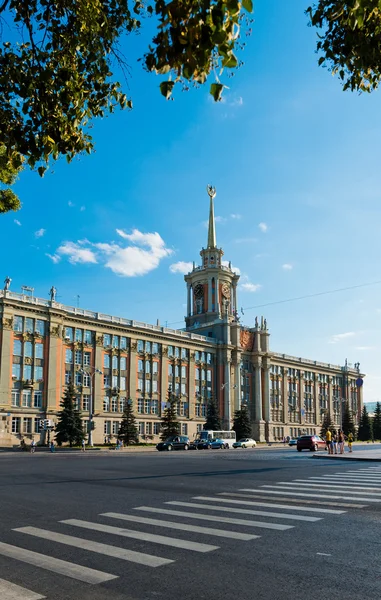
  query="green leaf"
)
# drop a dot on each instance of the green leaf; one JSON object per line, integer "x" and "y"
{"x": 41, "y": 171}
{"x": 230, "y": 62}
{"x": 166, "y": 88}
{"x": 248, "y": 5}
{"x": 216, "y": 90}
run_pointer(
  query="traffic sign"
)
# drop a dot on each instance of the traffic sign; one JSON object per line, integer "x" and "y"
{"x": 359, "y": 381}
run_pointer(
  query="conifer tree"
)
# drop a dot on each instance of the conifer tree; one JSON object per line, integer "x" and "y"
{"x": 327, "y": 424}
{"x": 213, "y": 420}
{"x": 365, "y": 428}
{"x": 377, "y": 422}
{"x": 128, "y": 431}
{"x": 348, "y": 425}
{"x": 169, "y": 424}
{"x": 241, "y": 423}
{"x": 69, "y": 426}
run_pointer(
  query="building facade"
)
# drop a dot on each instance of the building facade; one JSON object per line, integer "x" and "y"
{"x": 45, "y": 344}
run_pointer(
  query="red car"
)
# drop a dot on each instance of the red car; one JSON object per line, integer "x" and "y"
{"x": 310, "y": 442}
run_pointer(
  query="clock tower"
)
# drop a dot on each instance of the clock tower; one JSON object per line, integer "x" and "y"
{"x": 212, "y": 286}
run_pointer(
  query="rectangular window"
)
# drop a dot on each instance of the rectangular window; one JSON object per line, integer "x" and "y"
{"x": 140, "y": 366}
{"x": 67, "y": 377}
{"x": 183, "y": 372}
{"x": 123, "y": 363}
{"x": 88, "y": 337}
{"x": 106, "y": 361}
{"x": 123, "y": 343}
{"x": 86, "y": 379}
{"x": 203, "y": 410}
{"x": 209, "y": 358}
{"x": 87, "y": 359}
{"x": 40, "y": 326}
{"x": 115, "y": 381}
{"x": 69, "y": 334}
{"x": 155, "y": 348}
{"x": 123, "y": 383}
{"x": 209, "y": 375}
{"x": 122, "y": 404}
{"x": 85, "y": 402}
{"x": 197, "y": 374}
{"x": 106, "y": 404}
{"x": 36, "y": 425}
{"x": 27, "y": 425}
{"x": 114, "y": 362}
{"x": 27, "y": 372}
{"x": 140, "y": 384}
{"x": 140, "y": 405}
{"x": 114, "y": 404}
{"x": 141, "y": 427}
{"x": 155, "y": 367}
{"x": 148, "y": 386}
{"x": 184, "y": 428}
{"x": 149, "y": 428}
{"x": 198, "y": 410}
{"x": 15, "y": 398}
{"x": 106, "y": 381}
{"x": 115, "y": 427}
{"x": 176, "y": 371}
{"x": 154, "y": 386}
{"x": 18, "y": 323}
{"x": 17, "y": 348}
{"x": 78, "y": 357}
{"x": 202, "y": 357}
{"x": 154, "y": 407}
{"x": 197, "y": 356}
{"x": 115, "y": 341}
{"x": 184, "y": 353}
{"x": 28, "y": 349}
{"x": 39, "y": 351}
{"x": 156, "y": 428}
{"x": 148, "y": 347}
{"x": 177, "y": 352}
{"x": 78, "y": 378}
{"x": 29, "y": 325}
{"x": 107, "y": 428}
{"x": 170, "y": 350}
{"x": 183, "y": 389}
{"x": 140, "y": 346}
{"x": 146, "y": 406}
{"x": 78, "y": 335}
{"x": 37, "y": 400}
{"x": 68, "y": 356}
{"x": 170, "y": 370}
{"x": 106, "y": 340}
{"x": 27, "y": 399}
{"x": 16, "y": 424}
{"x": 148, "y": 366}
{"x": 38, "y": 374}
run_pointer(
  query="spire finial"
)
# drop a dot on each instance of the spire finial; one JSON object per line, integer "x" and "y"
{"x": 212, "y": 228}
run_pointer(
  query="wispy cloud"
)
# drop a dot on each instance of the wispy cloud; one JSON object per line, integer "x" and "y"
{"x": 287, "y": 267}
{"x": 263, "y": 227}
{"x": 341, "y": 336}
{"x": 17, "y": 222}
{"x": 54, "y": 257}
{"x": 71, "y": 204}
{"x": 39, "y": 233}
{"x": 226, "y": 263}
{"x": 181, "y": 267}
{"x": 250, "y": 287}
{"x": 235, "y": 216}
{"x": 142, "y": 253}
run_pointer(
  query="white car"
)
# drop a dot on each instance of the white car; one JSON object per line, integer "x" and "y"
{"x": 245, "y": 443}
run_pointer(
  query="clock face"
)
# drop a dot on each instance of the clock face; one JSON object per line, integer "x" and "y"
{"x": 225, "y": 290}
{"x": 199, "y": 291}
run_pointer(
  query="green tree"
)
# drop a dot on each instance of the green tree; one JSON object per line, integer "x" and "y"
{"x": 241, "y": 423}
{"x": 377, "y": 422}
{"x": 169, "y": 424}
{"x": 128, "y": 431}
{"x": 348, "y": 425}
{"x": 57, "y": 73}
{"x": 327, "y": 424}
{"x": 213, "y": 420}
{"x": 69, "y": 425}
{"x": 365, "y": 427}
{"x": 8, "y": 175}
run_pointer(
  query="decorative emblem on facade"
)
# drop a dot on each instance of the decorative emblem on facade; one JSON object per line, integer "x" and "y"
{"x": 164, "y": 350}
{"x": 247, "y": 340}
{"x": 225, "y": 289}
{"x": 199, "y": 291}
{"x": 134, "y": 345}
{"x": 28, "y": 360}
{"x": 55, "y": 330}
{"x": 99, "y": 340}
{"x": 8, "y": 323}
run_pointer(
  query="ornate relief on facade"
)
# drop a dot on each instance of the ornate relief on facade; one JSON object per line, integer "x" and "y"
{"x": 99, "y": 340}
{"x": 55, "y": 330}
{"x": 164, "y": 351}
{"x": 8, "y": 323}
{"x": 134, "y": 345}
{"x": 247, "y": 339}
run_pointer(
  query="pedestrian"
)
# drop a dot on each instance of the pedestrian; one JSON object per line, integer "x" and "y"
{"x": 52, "y": 446}
{"x": 328, "y": 439}
{"x": 83, "y": 445}
{"x": 341, "y": 441}
{"x": 350, "y": 441}
{"x": 32, "y": 446}
{"x": 121, "y": 444}
{"x": 334, "y": 442}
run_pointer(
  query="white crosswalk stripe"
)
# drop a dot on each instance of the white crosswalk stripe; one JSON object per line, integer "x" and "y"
{"x": 350, "y": 479}
{"x": 182, "y": 526}
{"x": 139, "y": 535}
{"x": 114, "y": 551}
{"x": 243, "y": 511}
{"x": 299, "y": 500}
{"x": 189, "y": 515}
{"x": 376, "y": 485}
{"x": 284, "y": 506}
{"x": 324, "y": 484}
{"x": 310, "y": 486}
{"x": 285, "y": 493}
{"x": 55, "y": 565}
{"x": 11, "y": 591}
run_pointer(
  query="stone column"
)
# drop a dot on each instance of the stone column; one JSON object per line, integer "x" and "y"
{"x": 217, "y": 296}
{"x": 234, "y": 304}
{"x": 227, "y": 388}
{"x": 257, "y": 417}
{"x": 285, "y": 399}
{"x": 316, "y": 400}
{"x": 330, "y": 402}
{"x": 5, "y": 363}
{"x": 189, "y": 306}
{"x": 97, "y": 382}
{"x": 55, "y": 369}
{"x": 266, "y": 399}
{"x": 191, "y": 387}
{"x": 210, "y": 295}
{"x": 132, "y": 365}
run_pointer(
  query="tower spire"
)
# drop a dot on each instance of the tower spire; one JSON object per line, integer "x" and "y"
{"x": 212, "y": 227}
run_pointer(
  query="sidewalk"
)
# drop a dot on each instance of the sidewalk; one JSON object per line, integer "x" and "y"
{"x": 371, "y": 455}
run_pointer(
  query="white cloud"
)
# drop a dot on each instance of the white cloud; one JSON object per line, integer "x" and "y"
{"x": 39, "y": 233}
{"x": 54, "y": 257}
{"x": 341, "y": 336}
{"x": 226, "y": 263}
{"x": 251, "y": 287}
{"x": 70, "y": 203}
{"x": 17, "y": 222}
{"x": 181, "y": 267}
{"x": 263, "y": 227}
{"x": 76, "y": 253}
{"x": 287, "y": 267}
{"x": 235, "y": 216}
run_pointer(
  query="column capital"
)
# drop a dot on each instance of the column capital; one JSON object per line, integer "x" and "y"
{"x": 257, "y": 361}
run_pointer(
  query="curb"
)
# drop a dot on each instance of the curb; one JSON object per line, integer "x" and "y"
{"x": 346, "y": 457}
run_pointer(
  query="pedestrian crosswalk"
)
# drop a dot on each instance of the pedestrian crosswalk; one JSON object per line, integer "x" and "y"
{"x": 164, "y": 531}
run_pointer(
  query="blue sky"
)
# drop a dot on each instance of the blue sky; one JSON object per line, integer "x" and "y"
{"x": 296, "y": 165}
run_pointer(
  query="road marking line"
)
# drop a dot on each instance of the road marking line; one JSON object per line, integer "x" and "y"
{"x": 306, "y": 486}
{"x": 11, "y": 591}
{"x": 323, "y": 554}
{"x": 139, "y": 535}
{"x": 105, "y": 549}
{"x": 182, "y": 526}
{"x": 188, "y": 515}
{"x": 318, "y": 484}
{"x": 279, "y": 492}
{"x": 56, "y": 565}
{"x": 351, "y": 474}
{"x": 285, "y": 506}
{"x": 352, "y": 479}
{"x": 243, "y": 511}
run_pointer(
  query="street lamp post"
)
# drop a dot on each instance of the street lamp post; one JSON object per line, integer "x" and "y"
{"x": 91, "y": 375}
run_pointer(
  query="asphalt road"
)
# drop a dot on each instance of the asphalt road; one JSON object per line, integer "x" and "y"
{"x": 227, "y": 535}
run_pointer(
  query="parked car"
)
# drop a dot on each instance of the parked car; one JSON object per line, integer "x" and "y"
{"x": 174, "y": 442}
{"x": 293, "y": 442}
{"x": 203, "y": 444}
{"x": 310, "y": 442}
{"x": 217, "y": 443}
{"x": 245, "y": 443}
